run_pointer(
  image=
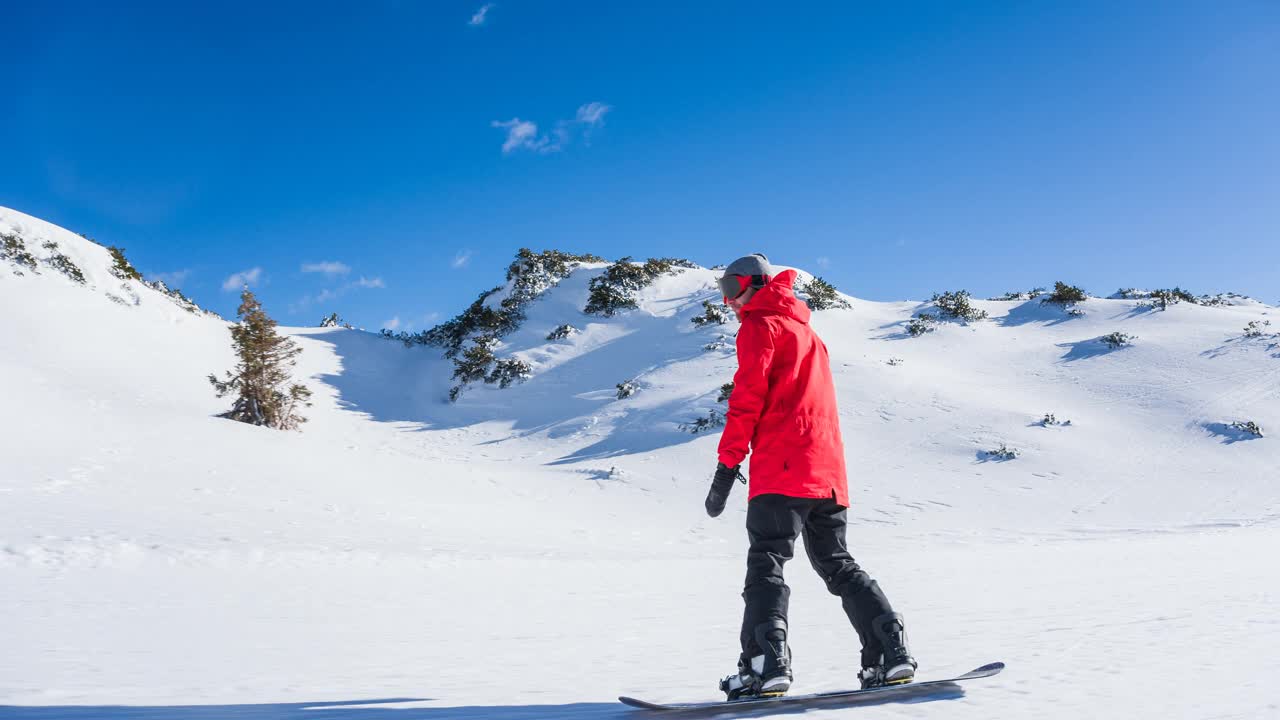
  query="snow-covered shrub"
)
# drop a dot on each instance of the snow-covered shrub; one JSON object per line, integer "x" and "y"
{"x": 562, "y": 332}
{"x": 607, "y": 300}
{"x": 1228, "y": 298}
{"x": 713, "y": 420}
{"x": 1004, "y": 452}
{"x": 955, "y": 306}
{"x": 720, "y": 343}
{"x": 13, "y": 249}
{"x": 529, "y": 275}
{"x": 1031, "y": 294}
{"x": 725, "y": 391}
{"x": 661, "y": 266}
{"x": 1117, "y": 340}
{"x": 1049, "y": 419}
{"x": 486, "y": 321}
{"x": 330, "y": 320}
{"x": 1064, "y": 295}
{"x": 1256, "y": 329}
{"x": 614, "y": 290}
{"x": 712, "y": 314}
{"x": 819, "y": 294}
{"x": 922, "y": 323}
{"x": 261, "y": 378}
{"x": 473, "y": 363}
{"x": 507, "y": 371}
{"x": 532, "y": 274}
{"x": 62, "y": 263}
{"x": 120, "y": 265}
{"x": 178, "y": 298}
{"x": 627, "y": 388}
{"x": 1248, "y": 427}
{"x": 480, "y": 318}
{"x": 1162, "y": 299}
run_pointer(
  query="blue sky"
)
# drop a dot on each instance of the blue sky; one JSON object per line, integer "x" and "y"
{"x": 380, "y": 160}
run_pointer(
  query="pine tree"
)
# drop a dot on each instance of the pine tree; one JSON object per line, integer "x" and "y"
{"x": 261, "y": 375}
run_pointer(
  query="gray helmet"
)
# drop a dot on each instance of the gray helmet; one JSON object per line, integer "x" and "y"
{"x": 755, "y": 266}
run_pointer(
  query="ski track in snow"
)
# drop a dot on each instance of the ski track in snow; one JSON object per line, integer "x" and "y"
{"x": 534, "y": 552}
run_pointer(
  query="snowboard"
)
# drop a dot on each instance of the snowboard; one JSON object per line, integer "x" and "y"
{"x": 889, "y": 693}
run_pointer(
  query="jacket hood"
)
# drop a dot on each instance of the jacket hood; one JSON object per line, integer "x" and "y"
{"x": 778, "y": 297}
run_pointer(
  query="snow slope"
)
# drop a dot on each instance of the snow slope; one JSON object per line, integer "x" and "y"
{"x": 535, "y": 551}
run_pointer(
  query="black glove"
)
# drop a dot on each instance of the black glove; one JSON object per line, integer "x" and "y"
{"x": 718, "y": 495}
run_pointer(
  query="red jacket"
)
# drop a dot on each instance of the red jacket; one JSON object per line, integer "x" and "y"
{"x": 783, "y": 404}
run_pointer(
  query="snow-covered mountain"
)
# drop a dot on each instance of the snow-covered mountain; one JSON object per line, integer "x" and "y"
{"x": 480, "y": 552}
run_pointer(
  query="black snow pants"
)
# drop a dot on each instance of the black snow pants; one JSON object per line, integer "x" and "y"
{"x": 773, "y": 523}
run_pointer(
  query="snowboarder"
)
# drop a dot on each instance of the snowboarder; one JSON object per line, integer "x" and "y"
{"x": 783, "y": 408}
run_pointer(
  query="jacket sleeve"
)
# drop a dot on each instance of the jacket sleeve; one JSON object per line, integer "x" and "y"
{"x": 750, "y": 387}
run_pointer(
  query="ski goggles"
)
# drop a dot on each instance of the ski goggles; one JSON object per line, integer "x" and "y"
{"x": 732, "y": 286}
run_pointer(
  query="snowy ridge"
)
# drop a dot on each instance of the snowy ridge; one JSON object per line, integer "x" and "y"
{"x": 44, "y": 241}
{"x": 513, "y": 526}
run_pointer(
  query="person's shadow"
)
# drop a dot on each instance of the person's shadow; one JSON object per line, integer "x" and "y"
{"x": 369, "y": 710}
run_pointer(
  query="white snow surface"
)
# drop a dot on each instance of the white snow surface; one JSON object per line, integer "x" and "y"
{"x": 536, "y": 551}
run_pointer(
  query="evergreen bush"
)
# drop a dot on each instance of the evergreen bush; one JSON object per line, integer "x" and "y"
{"x": 62, "y": 263}
{"x": 1117, "y": 340}
{"x": 508, "y": 371}
{"x": 1065, "y": 295}
{"x": 713, "y": 420}
{"x": 712, "y": 314}
{"x": 627, "y": 388}
{"x": 120, "y": 265}
{"x": 13, "y": 249}
{"x": 819, "y": 294}
{"x": 1248, "y": 427}
{"x": 614, "y": 290}
{"x": 562, "y": 332}
{"x": 264, "y": 395}
{"x": 955, "y": 306}
{"x": 1031, "y": 294}
{"x": 1004, "y": 452}
{"x": 922, "y": 323}
{"x": 1256, "y": 329}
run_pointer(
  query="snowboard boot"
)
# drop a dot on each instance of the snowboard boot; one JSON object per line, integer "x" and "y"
{"x": 895, "y": 666}
{"x": 775, "y": 675}
{"x": 767, "y": 674}
{"x": 746, "y": 683}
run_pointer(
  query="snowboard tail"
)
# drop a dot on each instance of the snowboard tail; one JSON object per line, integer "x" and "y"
{"x": 888, "y": 693}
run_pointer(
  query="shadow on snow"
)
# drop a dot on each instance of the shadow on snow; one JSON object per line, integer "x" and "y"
{"x": 1228, "y": 434}
{"x": 565, "y": 400}
{"x": 1085, "y": 349}
{"x": 365, "y": 710}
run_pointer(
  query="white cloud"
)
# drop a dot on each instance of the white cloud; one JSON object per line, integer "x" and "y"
{"x": 250, "y": 278}
{"x": 172, "y": 279}
{"x": 462, "y": 259}
{"x": 327, "y": 294}
{"x": 392, "y": 324}
{"x": 824, "y": 262}
{"x": 481, "y": 15}
{"x": 523, "y": 134}
{"x": 330, "y": 268}
{"x": 592, "y": 113}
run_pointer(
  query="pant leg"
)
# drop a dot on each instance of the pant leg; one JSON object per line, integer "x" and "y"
{"x": 773, "y": 523}
{"x": 863, "y": 601}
